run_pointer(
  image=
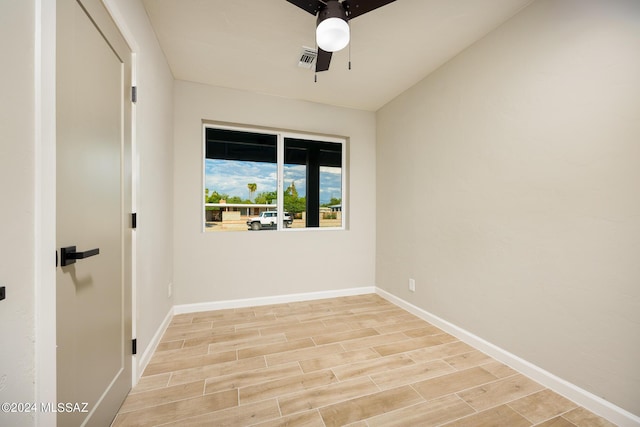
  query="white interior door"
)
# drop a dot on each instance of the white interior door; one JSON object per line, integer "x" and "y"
{"x": 93, "y": 202}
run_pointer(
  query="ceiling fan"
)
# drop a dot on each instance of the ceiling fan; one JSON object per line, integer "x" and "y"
{"x": 332, "y": 25}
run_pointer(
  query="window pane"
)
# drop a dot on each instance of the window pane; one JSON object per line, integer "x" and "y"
{"x": 240, "y": 180}
{"x": 330, "y": 196}
{"x": 313, "y": 182}
{"x": 295, "y": 193}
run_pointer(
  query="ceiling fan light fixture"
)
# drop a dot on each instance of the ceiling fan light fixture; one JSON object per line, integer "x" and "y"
{"x": 332, "y": 31}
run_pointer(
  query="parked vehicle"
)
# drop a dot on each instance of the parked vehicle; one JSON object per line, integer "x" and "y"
{"x": 268, "y": 220}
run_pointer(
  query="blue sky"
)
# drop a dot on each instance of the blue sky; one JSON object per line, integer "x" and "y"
{"x": 231, "y": 177}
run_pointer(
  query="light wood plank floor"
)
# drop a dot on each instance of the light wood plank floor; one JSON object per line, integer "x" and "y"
{"x": 358, "y": 361}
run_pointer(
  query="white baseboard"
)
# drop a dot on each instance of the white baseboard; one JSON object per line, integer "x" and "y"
{"x": 277, "y": 299}
{"x": 145, "y": 357}
{"x": 572, "y": 392}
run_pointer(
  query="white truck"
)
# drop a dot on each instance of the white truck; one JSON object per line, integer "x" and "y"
{"x": 268, "y": 220}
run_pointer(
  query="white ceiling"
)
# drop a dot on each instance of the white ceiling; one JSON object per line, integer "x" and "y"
{"x": 255, "y": 45}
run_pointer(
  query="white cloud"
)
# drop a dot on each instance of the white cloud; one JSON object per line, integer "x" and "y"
{"x": 231, "y": 177}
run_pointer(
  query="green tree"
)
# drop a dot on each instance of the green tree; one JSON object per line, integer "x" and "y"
{"x": 252, "y": 189}
{"x": 214, "y": 196}
{"x": 293, "y": 203}
{"x": 238, "y": 199}
{"x": 266, "y": 197}
{"x": 332, "y": 202}
{"x": 292, "y": 190}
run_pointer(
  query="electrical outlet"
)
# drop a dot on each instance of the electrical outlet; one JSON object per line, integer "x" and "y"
{"x": 170, "y": 290}
{"x": 412, "y": 285}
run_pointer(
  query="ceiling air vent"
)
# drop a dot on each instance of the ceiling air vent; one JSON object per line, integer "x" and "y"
{"x": 307, "y": 57}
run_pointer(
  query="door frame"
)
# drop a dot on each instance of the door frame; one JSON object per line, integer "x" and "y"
{"x": 44, "y": 150}
{"x": 45, "y": 213}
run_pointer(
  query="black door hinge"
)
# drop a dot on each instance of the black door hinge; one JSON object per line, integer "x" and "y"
{"x": 134, "y": 220}
{"x": 134, "y": 346}
{"x": 134, "y": 94}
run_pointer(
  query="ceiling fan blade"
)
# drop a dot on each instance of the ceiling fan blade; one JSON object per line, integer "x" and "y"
{"x": 311, "y": 6}
{"x": 323, "y": 60}
{"x": 356, "y": 8}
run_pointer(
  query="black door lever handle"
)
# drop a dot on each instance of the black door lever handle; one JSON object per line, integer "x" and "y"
{"x": 69, "y": 255}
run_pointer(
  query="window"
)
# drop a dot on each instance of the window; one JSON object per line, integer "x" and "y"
{"x": 251, "y": 176}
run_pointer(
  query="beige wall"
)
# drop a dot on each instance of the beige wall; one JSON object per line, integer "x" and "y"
{"x": 224, "y": 266}
{"x": 17, "y": 214}
{"x": 517, "y": 169}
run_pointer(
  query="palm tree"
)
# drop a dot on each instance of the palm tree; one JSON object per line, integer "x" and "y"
{"x": 252, "y": 189}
